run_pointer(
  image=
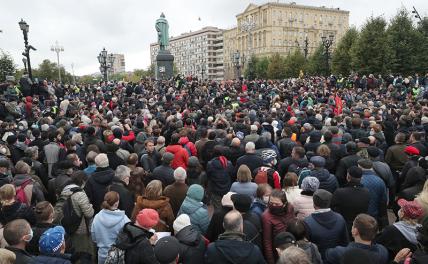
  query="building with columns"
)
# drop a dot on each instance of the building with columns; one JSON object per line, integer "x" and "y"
{"x": 279, "y": 28}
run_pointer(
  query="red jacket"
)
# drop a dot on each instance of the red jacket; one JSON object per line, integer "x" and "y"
{"x": 180, "y": 156}
{"x": 184, "y": 141}
{"x": 130, "y": 137}
{"x": 273, "y": 225}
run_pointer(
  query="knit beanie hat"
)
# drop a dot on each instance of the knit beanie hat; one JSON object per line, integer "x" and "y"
{"x": 241, "y": 202}
{"x": 147, "y": 218}
{"x": 180, "y": 174}
{"x": 310, "y": 184}
{"x": 196, "y": 192}
{"x": 181, "y": 222}
{"x": 226, "y": 200}
{"x": 101, "y": 161}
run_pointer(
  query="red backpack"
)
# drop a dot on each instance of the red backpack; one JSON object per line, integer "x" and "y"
{"x": 20, "y": 191}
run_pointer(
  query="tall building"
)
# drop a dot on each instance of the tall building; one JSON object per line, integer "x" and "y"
{"x": 198, "y": 53}
{"x": 280, "y": 28}
{"x": 119, "y": 63}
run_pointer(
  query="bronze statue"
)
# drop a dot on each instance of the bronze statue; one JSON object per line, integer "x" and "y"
{"x": 162, "y": 29}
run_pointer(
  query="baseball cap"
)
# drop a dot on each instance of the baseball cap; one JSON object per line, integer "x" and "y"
{"x": 410, "y": 209}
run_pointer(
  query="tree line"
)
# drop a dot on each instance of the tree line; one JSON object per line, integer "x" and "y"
{"x": 397, "y": 47}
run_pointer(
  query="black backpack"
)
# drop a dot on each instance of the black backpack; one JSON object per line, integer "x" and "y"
{"x": 70, "y": 220}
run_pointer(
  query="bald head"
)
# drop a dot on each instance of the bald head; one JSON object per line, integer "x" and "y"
{"x": 236, "y": 142}
{"x": 233, "y": 222}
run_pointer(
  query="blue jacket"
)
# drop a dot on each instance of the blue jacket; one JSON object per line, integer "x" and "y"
{"x": 52, "y": 259}
{"x": 197, "y": 212}
{"x": 326, "y": 230}
{"x": 377, "y": 189}
{"x": 105, "y": 228}
{"x": 377, "y": 251}
{"x": 258, "y": 207}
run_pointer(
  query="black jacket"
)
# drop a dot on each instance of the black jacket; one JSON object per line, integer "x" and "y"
{"x": 343, "y": 166}
{"x": 219, "y": 174}
{"x": 192, "y": 245}
{"x": 114, "y": 161}
{"x": 393, "y": 240}
{"x": 231, "y": 248}
{"x": 135, "y": 241}
{"x": 252, "y": 160}
{"x": 96, "y": 186}
{"x": 22, "y": 256}
{"x": 215, "y": 227}
{"x": 163, "y": 173}
{"x": 15, "y": 211}
{"x": 127, "y": 200}
{"x": 349, "y": 201}
{"x": 285, "y": 147}
{"x": 5, "y": 179}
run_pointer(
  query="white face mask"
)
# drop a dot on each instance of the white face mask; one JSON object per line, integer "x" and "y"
{"x": 30, "y": 236}
{"x": 266, "y": 199}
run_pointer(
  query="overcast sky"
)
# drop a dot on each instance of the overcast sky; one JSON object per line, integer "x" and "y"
{"x": 84, "y": 27}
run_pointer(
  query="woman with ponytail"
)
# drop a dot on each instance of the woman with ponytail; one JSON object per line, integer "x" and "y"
{"x": 107, "y": 224}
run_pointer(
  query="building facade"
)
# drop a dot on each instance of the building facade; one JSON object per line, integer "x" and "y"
{"x": 198, "y": 53}
{"x": 280, "y": 28}
{"x": 119, "y": 63}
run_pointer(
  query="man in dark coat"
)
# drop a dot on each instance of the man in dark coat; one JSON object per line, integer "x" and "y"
{"x": 119, "y": 185}
{"x": 251, "y": 159}
{"x": 96, "y": 186}
{"x": 150, "y": 158}
{"x": 164, "y": 172}
{"x": 231, "y": 246}
{"x": 295, "y": 163}
{"x": 346, "y": 162}
{"x": 192, "y": 243}
{"x": 113, "y": 159}
{"x": 17, "y": 234}
{"x": 325, "y": 228}
{"x": 286, "y": 145}
{"x": 352, "y": 199}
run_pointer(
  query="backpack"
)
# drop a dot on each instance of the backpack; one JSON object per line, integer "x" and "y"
{"x": 70, "y": 220}
{"x": 265, "y": 176}
{"x": 20, "y": 191}
{"x": 115, "y": 255}
{"x": 187, "y": 149}
{"x": 303, "y": 173}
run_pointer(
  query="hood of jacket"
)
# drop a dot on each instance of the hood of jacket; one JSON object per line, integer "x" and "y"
{"x": 321, "y": 174}
{"x": 173, "y": 149}
{"x": 103, "y": 175}
{"x": 189, "y": 236}
{"x": 326, "y": 219}
{"x": 20, "y": 178}
{"x": 131, "y": 236}
{"x": 190, "y": 205}
{"x": 21, "y": 145}
{"x": 233, "y": 248}
{"x": 184, "y": 140}
{"x": 408, "y": 231}
{"x": 110, "y": 218}
{"x": 153, "y": 204}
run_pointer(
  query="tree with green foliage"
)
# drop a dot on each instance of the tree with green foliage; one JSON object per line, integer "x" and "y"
{"x": 262, "y": 68}
{"x": 294, "y": 63}
{"x": 7, "y": 66}
{"x": 276, "y": 68}
{"x": 341, "y": 59}
{"x": 372, "y": 53}
{"x": 405, "y": 42}
{"x": 316, "y": 64}
{"x": 48, "y": 70}
{"x": 251, "y": 70}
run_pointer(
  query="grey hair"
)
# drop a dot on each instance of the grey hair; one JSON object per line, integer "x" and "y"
{"x": 122, "y": 172}
{"x": 294, "y": 255}
{"x": 267, "y": 135}
{"x": 250, "y": 146}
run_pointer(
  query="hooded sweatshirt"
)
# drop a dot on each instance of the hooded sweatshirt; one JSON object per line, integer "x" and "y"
{"x": 105, "y": 228}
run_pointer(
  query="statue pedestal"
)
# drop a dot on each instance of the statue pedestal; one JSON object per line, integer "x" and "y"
{"x": 164, "y": 65}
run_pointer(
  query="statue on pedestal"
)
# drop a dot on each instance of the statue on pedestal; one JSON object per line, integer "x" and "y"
{"x": 162, "y": 29}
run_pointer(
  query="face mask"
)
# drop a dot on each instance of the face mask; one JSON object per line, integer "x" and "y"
{"x": 30, "y": 236}
{"x": 372, "y": 132}
{"x": 266, "y": 199}
{"x": 276, "y": 210}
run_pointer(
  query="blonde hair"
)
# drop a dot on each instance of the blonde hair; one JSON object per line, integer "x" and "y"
{"x": 22, "y": 168}
{"x": 422, "y": 197}
{"x": 7, "y": 192}
{"x": 244, "y": 174}
{"x": 7, "y": 256}
{"x": 153, "y": 190}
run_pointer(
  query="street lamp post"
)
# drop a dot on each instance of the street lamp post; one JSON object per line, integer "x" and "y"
{"x": 25, "y": 29}
{"x": 106, "y": 63}
{"x": 415, "y": 12}
{"x": 57, "y": 48}
{"x": 327, "y": 43}
{"x": 306, "y": 48}
{"x": 236, "y": 62}
{"x": 72, "y": 71}
{"x": 24, "y": 60}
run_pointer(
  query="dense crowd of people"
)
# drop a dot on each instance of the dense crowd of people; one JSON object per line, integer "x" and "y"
{"x": 306, "y": 170}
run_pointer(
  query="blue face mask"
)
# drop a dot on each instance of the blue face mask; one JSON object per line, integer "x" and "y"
{"x": 30, "y": 236}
